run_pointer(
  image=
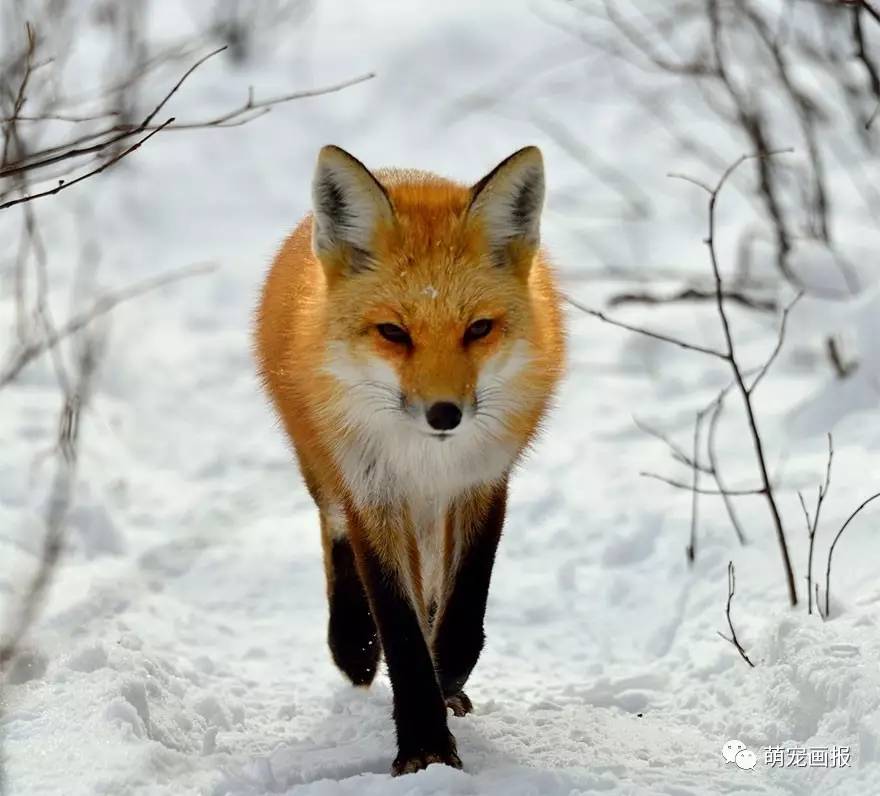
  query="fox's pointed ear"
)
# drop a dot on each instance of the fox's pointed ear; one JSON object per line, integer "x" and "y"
{"x": 349, "y": 205}
{"x": 508, "y": 202}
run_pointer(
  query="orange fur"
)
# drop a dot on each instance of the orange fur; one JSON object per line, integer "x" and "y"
{"x": 432, "y": 276}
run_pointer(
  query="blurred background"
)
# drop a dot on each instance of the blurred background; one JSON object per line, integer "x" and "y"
{"x": 160, "y": 579}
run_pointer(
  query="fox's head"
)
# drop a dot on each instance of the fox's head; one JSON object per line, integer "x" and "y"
{"x": 429, "y": 313}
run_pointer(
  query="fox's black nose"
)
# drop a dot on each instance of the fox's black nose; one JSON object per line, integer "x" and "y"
{"x": 443, "y": 416}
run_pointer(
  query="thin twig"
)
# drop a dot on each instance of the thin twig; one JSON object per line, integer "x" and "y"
{"x": 871, "y": 68}
{"x": 251, "y": 109}
{"x": 842, "y": 368}
{"x": 106, "y": 165}
{"x": 60, "y": 498}
{"x": 164, "y": 101}
{"x": 702, "y": 490}
{"x": 101, "y": 306}
{"x": 695, "y": 493}
{"x": 711, "y": 450}
{"x": 731, "y": 589}
{"x": 693, "y": 294}
{"x": 259, "y": 107}
{"x": 831, "y": 552}
{"x": 72, "y": 118}
{"x": 813, "y": 526}
{"x": 678, "y": 453}
{"x": 780, "y": 339}
{"x": 20, "y": 96}
{"x": 645, "y": 332}
{"x": 127, "y": 131}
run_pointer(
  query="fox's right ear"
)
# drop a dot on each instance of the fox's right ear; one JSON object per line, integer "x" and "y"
{"x": 349, "y": 205}
{"x": 507, "y": 204}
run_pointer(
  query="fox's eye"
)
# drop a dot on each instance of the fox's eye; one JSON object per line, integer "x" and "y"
{"x": 394, "y": 333}
{"x": 478, "y": 329}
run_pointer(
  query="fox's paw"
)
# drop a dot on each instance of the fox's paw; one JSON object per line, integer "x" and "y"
{"x": 410, "y": 762}
{"x": 460, "y": 704}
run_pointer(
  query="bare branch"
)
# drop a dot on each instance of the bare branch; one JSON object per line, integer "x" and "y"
{"x": 72, "y": 151}
{"x": 164, "y": 101}
{"x": 711, "y": 450}
{"x": 814, "y": 525}
{"x": 72, "y": 118}
{"x": 101, "y": 306}
{"x": 257, "y": 108}
{"x": 60, "y": 498}
{"x": 678, "y": 453}
{"x": 753, "y": 123}
{"x": 695, "y": 489}
{"x": 694, "y": 294}
{"x": 752, "y": 65}
{"x": 674, "y": 175}
{"x": 730, "y": 356}
{"x": 731, "y": 589}
{"x": 702, "y": 490}
{"x": 645, "y": 332}
{"x": 842, "y": 368}
{"x": 62, "y": 185}
{"x": 871, "y": 68}
{"x": 831, "y": 551}
{"x": 112, "y": 135}
{"x": 10, "y": 133}
{"x": 780, "y": 339}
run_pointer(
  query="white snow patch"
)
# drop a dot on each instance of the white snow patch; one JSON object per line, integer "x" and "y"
{"x": 183, "y": 646}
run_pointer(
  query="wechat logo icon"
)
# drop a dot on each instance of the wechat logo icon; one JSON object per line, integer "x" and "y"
{"x": 736, "y": 752}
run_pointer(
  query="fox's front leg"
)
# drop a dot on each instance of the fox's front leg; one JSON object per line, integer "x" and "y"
{"x": 384, "y": 563}
{"x": 458, "y": 629}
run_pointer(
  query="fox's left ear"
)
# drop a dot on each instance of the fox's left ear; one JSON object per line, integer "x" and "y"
{"x": 508, "y": 202}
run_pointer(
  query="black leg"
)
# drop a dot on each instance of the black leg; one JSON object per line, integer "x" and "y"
{"x": 419, "y": 708}
{"x": 459, "y": 636}
{"x": 351, "y": 634}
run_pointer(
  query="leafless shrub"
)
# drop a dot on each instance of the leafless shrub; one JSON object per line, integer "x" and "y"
{"x": 60, "y": 495}
{"x": 52, "y": 141}
{"x": 752, "y": 62}
{"x": 98, "y": 143}
{"x": 743, "y": 381}
{"x": 75, "y": 397}
{"x": 802, "y": 74}
{"x": 812, "y": 528}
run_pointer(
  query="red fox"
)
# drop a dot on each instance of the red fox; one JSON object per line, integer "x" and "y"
{"x": 410, "y": 337}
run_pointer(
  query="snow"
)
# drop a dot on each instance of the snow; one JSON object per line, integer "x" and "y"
{"x": 183, "y": 647}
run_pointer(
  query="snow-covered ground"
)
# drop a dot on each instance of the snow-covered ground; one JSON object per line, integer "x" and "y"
{"x": 182, "y": 650}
